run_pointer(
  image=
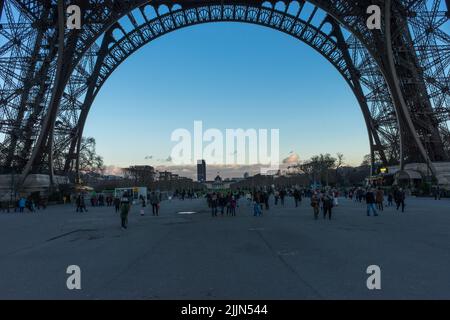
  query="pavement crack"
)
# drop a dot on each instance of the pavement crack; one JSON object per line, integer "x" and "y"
{"x": 69, "y": 233}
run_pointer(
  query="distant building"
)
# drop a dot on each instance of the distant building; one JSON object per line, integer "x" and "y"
{"x": 112, "y": 178}
{"x": 165, "y": 176}
{"x": 201, "y": 171}
{"x": 169, "y": 181}
{"x": 219, "y": 184}
{"x": 140, "y": 174}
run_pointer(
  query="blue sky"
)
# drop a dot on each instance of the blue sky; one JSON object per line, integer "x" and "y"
{"x": 228, "y": 75}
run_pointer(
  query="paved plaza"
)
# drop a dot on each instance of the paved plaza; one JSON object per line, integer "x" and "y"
{"x": 283, "y": 255}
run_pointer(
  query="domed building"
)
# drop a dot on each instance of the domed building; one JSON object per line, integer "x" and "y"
{"x": 219, "y": 184}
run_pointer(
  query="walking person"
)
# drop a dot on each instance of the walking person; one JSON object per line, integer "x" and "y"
{"x": 379, "y": 198}
{"x": 400, "y": 199}
{"x": 370, "y": 200}
{"x": 327, "y": 205}
{"x": 125, "y": 206}
{"x": 315, "y": 204}
{"x": 154, "y": 200}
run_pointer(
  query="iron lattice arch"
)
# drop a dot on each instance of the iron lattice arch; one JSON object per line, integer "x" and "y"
{"x": 45, "y": 103}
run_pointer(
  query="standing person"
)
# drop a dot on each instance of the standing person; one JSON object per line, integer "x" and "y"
{"x": 400, "y": 199}
{"x": 83, "y": 204}
{"x": 43, "y": 203}
{"x": 78, "y": 203}
{"x": 277, "y": 196}
{"x": 360, "y": 195}
{"x": 228, "y": 203}
{"x": 370, "y": 200}
{"x": 30, "y": 204}
{"x": 143, "y": 203}
{"x": 297, "y": 197}
{"x": 379, "y": 198}
{"x": 223, "y": 203}
{"x": 154, "y": 200}
{"x": 315, "y": 203}
{"x": 266, "y": 200}
{"x": 335, "y": 198}
{"x": 248, "y": 196}
{"x": 117, "y": 204}
{"x": 282, "y": 196}
{"x": 208, "y": 200}
{"x": 22, "y": 203}
{"x": 257, "y": 208}
{"x": 214, "y": 204}
{"x": 125, "y": 206}
{"x": 327, "y": 205}
{"x": 390, "y": 199}
{"x": 233, "y": 203}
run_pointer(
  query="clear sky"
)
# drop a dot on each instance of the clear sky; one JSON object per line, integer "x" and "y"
{"x": 229, "y": 76}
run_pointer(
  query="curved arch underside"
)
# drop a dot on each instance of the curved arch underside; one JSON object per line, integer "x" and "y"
{"x": 325, "y": 36}
{"x": 43, "y": 121}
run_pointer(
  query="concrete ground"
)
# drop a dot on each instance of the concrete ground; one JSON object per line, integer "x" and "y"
{"x": 283, "y": 255}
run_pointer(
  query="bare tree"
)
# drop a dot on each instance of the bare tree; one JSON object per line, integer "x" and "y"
{"x": 318, "y": 167}
{"x": 90, "y": 161}
{"x": 339, "y": 163}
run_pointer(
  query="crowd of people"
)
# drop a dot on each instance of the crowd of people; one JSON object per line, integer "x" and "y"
{"x": 24, "y": 204}
{"x": 375, "y": 198}
{"x": 258, "y": 200}
{"x": 121, "y": 204}
{"x": 321, "y": 200}
{"x": 218, "y": 202}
